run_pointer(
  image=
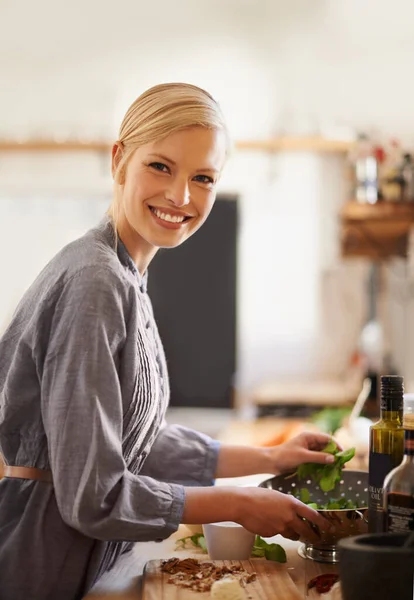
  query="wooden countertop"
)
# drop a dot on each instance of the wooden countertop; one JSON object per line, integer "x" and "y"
{"x": 124, "y": 581}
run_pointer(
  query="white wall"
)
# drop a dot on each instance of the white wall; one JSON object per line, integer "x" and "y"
{"x": 71, "y": 69}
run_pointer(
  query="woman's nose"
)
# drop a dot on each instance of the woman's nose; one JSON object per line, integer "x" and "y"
{"x": 178, "y": 193}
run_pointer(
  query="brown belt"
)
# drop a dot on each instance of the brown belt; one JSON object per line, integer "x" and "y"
{"x": 26, "y": 473}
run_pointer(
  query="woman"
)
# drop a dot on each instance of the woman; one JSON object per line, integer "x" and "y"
{"x": 92, "y": 466}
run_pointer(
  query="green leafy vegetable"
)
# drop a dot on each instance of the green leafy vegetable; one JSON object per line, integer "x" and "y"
{"x": 304, "y": 496}
{"x": 197, "y": 540}
{"x": 330, "y": 419}
{"x": 262, "y": 549}
{"x": 331, "y": 447}
{"x": 326, "y": 476}
{"x": 329, "y": 474}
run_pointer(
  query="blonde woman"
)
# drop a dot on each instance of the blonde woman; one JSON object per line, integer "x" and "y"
{"x": 90, "y": 465}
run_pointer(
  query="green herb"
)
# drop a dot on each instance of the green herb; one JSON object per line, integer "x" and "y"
{"x": 262, "y": 549}
{"x": 329, "y": 474}
{"x": 304, "y": 496}
{"x": 330, "y": 419}
{"x": 197, "y": 540}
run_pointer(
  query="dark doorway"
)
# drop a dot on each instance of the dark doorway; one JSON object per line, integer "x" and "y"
{"x": 193, "y": 292}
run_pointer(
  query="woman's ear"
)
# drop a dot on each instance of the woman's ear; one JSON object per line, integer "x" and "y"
{"x": 117, "y": 154}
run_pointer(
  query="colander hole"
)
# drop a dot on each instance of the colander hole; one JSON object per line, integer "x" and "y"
{"x": 293, "y": 484}
{"x": 359, "y": 482}
{"x": 308, "y": 482}
{"x": 365, "y": 489}
{"x": 343, "y": 494}
{"x": 341, "y": 482}
{"x": 280, "y": 489}
{"x": 357, "y": 495}
{"x": 350, "y": 488}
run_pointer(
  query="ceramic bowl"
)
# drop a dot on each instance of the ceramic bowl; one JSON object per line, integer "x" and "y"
{"x": 228, "y": 541}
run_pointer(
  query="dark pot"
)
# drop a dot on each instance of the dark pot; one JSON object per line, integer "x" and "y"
{"x": 376, "y": 567}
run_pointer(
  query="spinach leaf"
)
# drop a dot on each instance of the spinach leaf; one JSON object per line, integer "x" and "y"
{"x": 329, "y": 474}
{"x": 197, "y": 540}
{"x": 304, "y": 496}
{"x": 262, "y": 549}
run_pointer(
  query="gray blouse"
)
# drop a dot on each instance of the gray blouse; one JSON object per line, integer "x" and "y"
{"x": 83, "y": 392}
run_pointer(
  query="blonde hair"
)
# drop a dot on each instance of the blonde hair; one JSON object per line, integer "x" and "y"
{"x": 159, "y": 111}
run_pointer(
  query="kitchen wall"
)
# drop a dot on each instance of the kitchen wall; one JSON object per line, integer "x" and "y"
{"x": 304, "y": 67}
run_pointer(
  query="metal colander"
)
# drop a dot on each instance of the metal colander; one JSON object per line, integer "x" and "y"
{"x": 320, "y": 545}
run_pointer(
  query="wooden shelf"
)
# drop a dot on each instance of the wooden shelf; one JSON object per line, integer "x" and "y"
{"x": 296, "y": 144}
{"x": 381, "y": 211}
{"x": 53, "y": 146}
{"x": 376, "y": 231}
{"x": 286, "y": 144}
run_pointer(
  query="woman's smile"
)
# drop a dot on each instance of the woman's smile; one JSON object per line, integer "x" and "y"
{"x": 168, "y": 218}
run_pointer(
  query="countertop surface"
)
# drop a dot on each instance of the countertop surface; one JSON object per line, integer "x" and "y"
{"x": 124, "y": 581}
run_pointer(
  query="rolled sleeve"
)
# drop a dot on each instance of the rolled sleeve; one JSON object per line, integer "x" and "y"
{"x": 182, "y": 455}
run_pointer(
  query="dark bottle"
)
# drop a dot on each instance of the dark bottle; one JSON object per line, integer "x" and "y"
{"x": 386, "y": 447}
{"x": 399, "y": 484}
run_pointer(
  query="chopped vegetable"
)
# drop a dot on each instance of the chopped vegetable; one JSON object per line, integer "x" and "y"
{"x": 323, "y": 583}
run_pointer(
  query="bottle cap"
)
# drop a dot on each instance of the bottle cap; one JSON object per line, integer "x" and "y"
{"x": 392, "y": 390}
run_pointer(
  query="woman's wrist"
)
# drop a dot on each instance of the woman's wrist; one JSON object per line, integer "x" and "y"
{"x": 212, "y": 504}
{"x": 238, "y": 461}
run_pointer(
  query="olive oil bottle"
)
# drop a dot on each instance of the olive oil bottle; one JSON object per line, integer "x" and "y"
{"x": 386, "y": 447}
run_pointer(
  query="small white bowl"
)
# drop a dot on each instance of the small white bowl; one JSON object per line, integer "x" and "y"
{"x": 228, "y": 541}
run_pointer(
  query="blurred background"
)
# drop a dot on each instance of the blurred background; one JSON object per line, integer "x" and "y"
{"x": 300, "y": 285}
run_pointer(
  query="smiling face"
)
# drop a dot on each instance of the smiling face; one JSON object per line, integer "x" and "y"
{"x": 169, "y": 190}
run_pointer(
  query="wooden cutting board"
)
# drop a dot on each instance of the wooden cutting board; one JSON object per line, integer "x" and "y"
{"x": 273, "y": 581}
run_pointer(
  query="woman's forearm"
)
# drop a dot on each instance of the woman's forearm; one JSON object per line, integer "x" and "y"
{"x": 237, "y": 461}
{"x": 211, "y": 504}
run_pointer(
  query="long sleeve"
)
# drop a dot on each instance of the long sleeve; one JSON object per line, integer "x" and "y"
{"x": 83, "y": 416}
{"x": 184, "y": 456}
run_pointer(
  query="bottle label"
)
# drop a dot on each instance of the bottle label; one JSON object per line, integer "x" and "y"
{"x": 400, "y": 515}
{"x": 379, "y": 467}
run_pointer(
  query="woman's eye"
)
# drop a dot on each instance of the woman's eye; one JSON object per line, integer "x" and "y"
{"x": 159, "y": 167}
{"x": 204, "y": 179}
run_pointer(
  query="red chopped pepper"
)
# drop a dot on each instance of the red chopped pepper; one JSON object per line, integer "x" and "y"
{"x": 323, "y": 583}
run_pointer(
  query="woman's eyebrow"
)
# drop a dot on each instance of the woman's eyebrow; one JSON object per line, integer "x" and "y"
{"x": 169, "y": 160}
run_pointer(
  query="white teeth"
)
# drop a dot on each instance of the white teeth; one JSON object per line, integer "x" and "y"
{"x": 167, "y": 217}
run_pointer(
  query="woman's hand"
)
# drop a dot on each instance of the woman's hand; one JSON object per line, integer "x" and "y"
{"x": 238, "y": 461}
{"x": 304, "y": 448}
{"x": 262, "y": 511}
{"x": 268, "y": 512}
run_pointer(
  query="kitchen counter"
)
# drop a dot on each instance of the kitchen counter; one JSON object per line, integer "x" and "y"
{"x": 124, "y": 581}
